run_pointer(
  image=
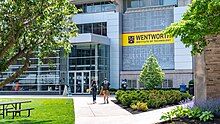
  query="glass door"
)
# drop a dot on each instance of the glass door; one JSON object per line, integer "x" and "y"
{"x": 79, "y": 82}
{"x": 86, "y": 81}
{"x": 72, "y": 81}
{"x": 79, "y": 78}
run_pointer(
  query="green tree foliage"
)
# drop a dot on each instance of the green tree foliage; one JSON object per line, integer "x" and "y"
{"x": 201, "y": 20}
{"x": 33, "y": 25}
{"x": 151, "y": 74}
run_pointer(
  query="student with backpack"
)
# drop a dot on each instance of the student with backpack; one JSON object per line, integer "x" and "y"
{"x": 105, "y": 90}
{"x": 94, "y": 91}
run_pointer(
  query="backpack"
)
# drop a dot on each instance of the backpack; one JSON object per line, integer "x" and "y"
{"x": 106, "y": 85}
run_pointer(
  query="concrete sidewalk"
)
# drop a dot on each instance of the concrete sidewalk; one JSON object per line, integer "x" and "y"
{"x": 99, "y": 113}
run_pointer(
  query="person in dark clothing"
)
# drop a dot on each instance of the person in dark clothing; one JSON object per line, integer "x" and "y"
{"x": 124, "y": 84}
{"x": 94, "y": 91}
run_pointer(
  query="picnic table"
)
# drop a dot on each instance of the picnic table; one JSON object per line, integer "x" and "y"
{"x": 13, "y": 107}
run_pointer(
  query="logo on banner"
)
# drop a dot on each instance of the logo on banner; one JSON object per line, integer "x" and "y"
{"x": 131, "y": 39}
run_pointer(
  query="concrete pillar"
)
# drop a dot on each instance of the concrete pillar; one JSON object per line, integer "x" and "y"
{"x": 207, "y": 72}
{"x": 200, "y": 84}
{"x": 96, "y": 62}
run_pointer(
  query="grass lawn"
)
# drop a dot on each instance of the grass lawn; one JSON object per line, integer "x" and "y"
{"x": 46, "y": 111}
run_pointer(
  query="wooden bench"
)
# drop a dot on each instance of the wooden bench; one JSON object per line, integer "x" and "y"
{"x": 14, "y": 112}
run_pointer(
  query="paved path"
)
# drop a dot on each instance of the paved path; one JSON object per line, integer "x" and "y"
{"x": 99, "y": 113}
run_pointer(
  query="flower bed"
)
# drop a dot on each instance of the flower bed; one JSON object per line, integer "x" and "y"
{"x": 193, "y": 115}
{"x": 143, "y": 100}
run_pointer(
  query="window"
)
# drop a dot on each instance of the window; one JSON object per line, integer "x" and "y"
{"x": 95, "y": 28}
{"x": 108, "y": 6}
{"x": 97, "y": 7}
{"x": 87, "y": 28}
{"x": 132, "y": 84}
{"x": 133, "y": 3}
{"x": 168, "y": 83}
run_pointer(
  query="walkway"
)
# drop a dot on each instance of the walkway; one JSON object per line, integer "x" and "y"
{"x": 99, "y": 113}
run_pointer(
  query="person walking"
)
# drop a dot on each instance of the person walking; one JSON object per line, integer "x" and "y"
{"x": 94, "y": 91}
{"x": 105, "y": 90}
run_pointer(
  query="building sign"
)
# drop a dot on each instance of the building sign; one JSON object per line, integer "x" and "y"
{"x": 146, "y": 38}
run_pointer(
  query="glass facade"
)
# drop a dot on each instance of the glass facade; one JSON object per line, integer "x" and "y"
{"x": 95, "y": 28}
{"x": 87, "y": 62}
{"x": 97, "y": 7}
{"x": 148, "y": 3}
{"x": 39, "y": 77}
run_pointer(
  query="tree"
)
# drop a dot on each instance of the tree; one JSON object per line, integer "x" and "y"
{"x": 201, "y": 20}
{"x": 33, "y": 25}
{"x": 151, "y": 74}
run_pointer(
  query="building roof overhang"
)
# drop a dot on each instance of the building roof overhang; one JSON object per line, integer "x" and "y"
{"x": 90, "y": 38}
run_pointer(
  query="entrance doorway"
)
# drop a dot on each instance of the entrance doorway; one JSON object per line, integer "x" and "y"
{"x": 79, "y": 81}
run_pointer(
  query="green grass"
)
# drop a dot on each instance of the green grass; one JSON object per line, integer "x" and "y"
{"x": 46, "y": 111}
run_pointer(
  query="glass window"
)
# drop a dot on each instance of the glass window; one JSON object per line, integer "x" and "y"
{"x": 97, "y": 7}
{"x": 104, "y": 28}
{"x": 87, "y": 28}
{"x": 167, "y": 83}
{"x": 108, "y": 6}
{"x": 133, "y": 3}
{"x": 97, "y": 28}
{"x": 90, "y": 8}
{"x": 80, "y": 29}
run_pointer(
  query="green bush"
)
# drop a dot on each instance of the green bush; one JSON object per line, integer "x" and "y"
{"x": 139, "y": 106}
{"x": 142, "y": 106}
{"x": 195, "y": 112}
{"x": 181, "y": 112}
{"x": 119, "y": 94}
{"x": 206, "y": 116}
{"x": 128, "y": 97}
{"x": 133, "y": 106}
{"x": 153, "y": 98}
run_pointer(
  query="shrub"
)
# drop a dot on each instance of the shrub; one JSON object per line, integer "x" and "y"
{"x": 142, "y": 106}
{"x": 206, "y": 116}
{"x": 185, "y": 96}
{"x": 139, "y": 106}
{"x": 128, "y": 97}
{"x": 195, "y": 112}
{"x": 133, "y": 106}
{"x": 167, "y": 116}
{"x": 180, "y": 112}
{"x": 153, "y": 98}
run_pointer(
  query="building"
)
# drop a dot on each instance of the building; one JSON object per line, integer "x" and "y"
{"x": 115, "y": 38}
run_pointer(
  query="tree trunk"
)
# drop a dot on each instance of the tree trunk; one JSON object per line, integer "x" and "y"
{"x": 18, "y": 72}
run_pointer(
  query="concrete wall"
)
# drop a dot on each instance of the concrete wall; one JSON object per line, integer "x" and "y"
{"x": 113, "y": 33}
{"x": 207, "y": 72}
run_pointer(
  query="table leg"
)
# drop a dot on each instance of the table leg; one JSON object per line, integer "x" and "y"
{"x": 19, "y": 108}
{"x": 3, "y": 112}
{"x": 16, "y": 109}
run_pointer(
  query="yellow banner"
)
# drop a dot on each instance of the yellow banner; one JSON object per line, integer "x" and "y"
{"x": 146, "y": 38}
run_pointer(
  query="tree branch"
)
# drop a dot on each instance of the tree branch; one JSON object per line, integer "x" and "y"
{"x": 18, "y": 72}
{"x": 4, "y": 66}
